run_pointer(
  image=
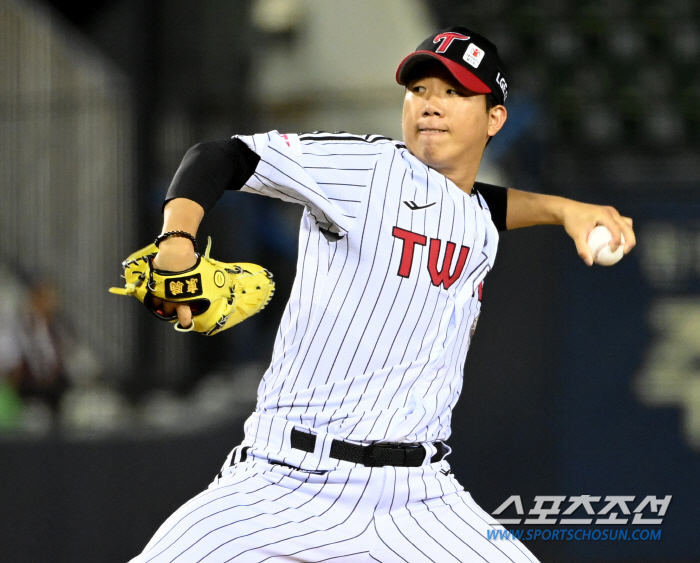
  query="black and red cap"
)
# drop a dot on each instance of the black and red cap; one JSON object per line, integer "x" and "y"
{"x": 471, "y": 58}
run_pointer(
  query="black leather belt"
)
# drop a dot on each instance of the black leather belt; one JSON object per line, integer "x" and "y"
{"x": 377, "y": 455}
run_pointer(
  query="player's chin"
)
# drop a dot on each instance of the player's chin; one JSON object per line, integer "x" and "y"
{"x": 430, "y": 154}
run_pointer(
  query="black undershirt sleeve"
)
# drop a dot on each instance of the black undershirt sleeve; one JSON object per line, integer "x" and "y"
{"x": 209, "y": 169}
{"x": 497, "y": 199}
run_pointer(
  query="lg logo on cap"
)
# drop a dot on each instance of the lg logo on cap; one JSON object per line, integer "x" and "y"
{"x": 503, "y": 84}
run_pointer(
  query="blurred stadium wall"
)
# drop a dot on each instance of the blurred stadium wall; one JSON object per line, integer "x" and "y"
{"x": 67, "y": 174}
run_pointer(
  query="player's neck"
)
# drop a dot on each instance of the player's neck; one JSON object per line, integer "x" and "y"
{"x": 464, "y": 176}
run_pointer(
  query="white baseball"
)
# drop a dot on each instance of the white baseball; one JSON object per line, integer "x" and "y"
{"x": 599, "y": 243}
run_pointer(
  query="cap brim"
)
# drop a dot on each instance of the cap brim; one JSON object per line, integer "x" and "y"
{"x": 461, "y": 74}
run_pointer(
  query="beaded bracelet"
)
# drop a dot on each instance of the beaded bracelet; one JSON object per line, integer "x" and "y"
{"x": 183, "y": 234}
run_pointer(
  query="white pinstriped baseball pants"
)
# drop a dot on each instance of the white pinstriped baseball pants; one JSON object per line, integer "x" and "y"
{"x": 256, "y": 512}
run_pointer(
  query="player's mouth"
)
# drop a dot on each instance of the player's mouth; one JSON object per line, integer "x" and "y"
{"x": 431, "y": 130}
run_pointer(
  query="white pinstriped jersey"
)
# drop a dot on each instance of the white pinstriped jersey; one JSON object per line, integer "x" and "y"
{"x": 392, "y": 255}
{"x": 371, "y": 347}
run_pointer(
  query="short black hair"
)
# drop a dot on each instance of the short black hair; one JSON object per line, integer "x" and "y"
{"x": 491, "y": 102}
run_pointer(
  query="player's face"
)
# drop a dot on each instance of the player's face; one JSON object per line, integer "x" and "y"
{"x": 445, "y": 125}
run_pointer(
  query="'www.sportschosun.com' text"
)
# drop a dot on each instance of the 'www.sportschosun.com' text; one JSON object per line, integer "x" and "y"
{"x": 575, "y": 534}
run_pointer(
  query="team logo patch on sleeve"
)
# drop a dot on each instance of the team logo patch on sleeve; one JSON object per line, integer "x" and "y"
{"x": 185, "y": 286}
{"x": 292, "y": 140}
{"x": 473, "y": 55}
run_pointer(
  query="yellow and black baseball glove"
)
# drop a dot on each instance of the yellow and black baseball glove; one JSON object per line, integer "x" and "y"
{"x": 220, "y": 295}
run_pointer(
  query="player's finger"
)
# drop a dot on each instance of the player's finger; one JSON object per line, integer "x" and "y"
{"x": 628, "y": 232}
{"x": 158, "y": 305}
{"x": 168, "y": 309}
{"x": 620, "y": 227}
{"x": 583, "y": 250}
{"x": 613, "y": 222}
{"x": 184, "y": 314}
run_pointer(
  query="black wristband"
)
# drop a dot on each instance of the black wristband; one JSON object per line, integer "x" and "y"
{"x": 183, "y": 234}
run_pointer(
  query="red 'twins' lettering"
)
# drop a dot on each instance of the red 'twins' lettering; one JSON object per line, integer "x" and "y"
{"x": 443, "y": 276}
{"x": 410, "y": 240}
{"x": 438, "y": 277}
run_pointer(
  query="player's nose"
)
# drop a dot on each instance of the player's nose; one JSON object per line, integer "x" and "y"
{"x": 433, "y": 103}
{"x": 432, "y": 107}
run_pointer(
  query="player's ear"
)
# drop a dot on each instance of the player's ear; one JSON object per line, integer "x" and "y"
{"x": 497, "y": 117}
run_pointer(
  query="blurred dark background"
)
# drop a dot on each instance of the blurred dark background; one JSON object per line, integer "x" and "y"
{"x": 579, "y": 380}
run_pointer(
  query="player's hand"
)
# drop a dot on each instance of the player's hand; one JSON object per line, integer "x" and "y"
{"x": 579, "y": 219}
{"x": 175, "y": 254}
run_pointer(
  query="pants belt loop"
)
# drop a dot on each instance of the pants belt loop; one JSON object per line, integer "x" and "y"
{"x": 302, "y": 441}
{"x": 239, "y": 454}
